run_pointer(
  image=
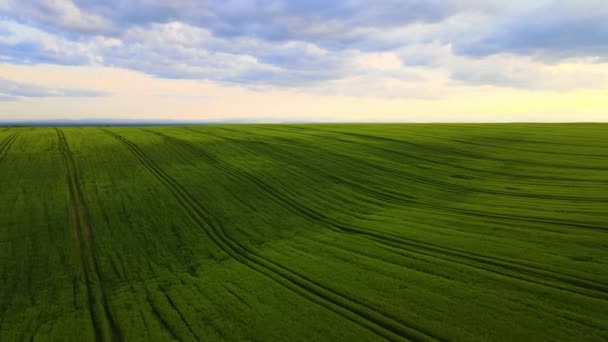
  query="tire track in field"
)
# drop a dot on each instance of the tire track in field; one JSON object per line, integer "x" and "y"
{"x": 506, "y": 264}
{"x": 104, "y": 325}
{"x": 181, "y": 315}
{"x": 501, "y": 266}
{"x": 350, "y": 309}
{"x": 156, "y": 312}
{"x": 438, "y": 183}
{"x": 400, "y": 198}
{"x": 403, "y": 199}
{"x": 482, "y": 139}
{"x": 450, "y": 151}
{"x": 6, "y": 145}
{"x": 401, "y": 153}
{"x": 410, "y": 156}
{"x": 507, "y": 139}
{"x": 497, "y": 265}
{"x": 166, "y": 323}
{"x": 385, "y": 196}
{"x": 492, "y": 146}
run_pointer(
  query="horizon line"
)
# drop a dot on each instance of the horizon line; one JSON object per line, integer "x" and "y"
{"x": 161, "y": 122}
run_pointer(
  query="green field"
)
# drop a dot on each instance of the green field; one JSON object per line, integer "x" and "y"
{"x": 464, "y": 232}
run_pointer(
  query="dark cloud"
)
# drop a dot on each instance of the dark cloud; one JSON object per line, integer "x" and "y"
{"x": 12, "y": 90}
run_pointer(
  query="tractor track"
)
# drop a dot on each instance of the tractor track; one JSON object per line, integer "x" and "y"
{"x": 450, "y": 150}
{"x": 409, "y": 156}
{"x": 404, "y": 199}
{"x": 6, "y": 145}
{"x": 446, "y": 185}
{"x": 354, "y": 310}
{"x": 528, "y": 272}
{"x": 104, "y": 325}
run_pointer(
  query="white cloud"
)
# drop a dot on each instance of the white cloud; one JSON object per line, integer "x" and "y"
{"x": 60, "y": 13}
{"x": 395, "y": 50}
{"x": 12, "y": 89}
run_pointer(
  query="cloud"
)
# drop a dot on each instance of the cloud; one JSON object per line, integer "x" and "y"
{"x": 60, "y": 14}
{"x": 299, "y": 44}
{"x": 253, "y": 42}
{"x": 11, "y": 90}
{"x": 177, "y": 50}
{"x": 23, "y": 44}
{"x": 282, "y": 20}
{"x": 6, "y": 98}
{"x": 519, "y": 72}
{"x": 556, "y": 31}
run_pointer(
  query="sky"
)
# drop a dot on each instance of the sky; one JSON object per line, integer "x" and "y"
{"x": 307, "y": 60}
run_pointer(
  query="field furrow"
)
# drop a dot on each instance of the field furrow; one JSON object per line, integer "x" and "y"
{"x": 351, "y": 309}
{"x": 304, "y": 232}
{"x": 6, "y": 144}
{"x": 104, "y": 324}
{"x": 500, "y": 266}
{"x": 385, "y": 193}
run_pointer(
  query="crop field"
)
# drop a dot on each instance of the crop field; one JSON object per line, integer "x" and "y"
{"x": 348, "y": 232}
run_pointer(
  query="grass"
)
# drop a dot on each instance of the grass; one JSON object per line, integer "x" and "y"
{"x": 463, "y": 232}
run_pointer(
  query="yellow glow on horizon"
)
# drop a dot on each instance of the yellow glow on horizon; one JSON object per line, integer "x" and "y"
{"x": 137, "y": 95}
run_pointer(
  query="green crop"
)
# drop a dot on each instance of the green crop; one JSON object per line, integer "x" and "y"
{"x": 358, "y": 232}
